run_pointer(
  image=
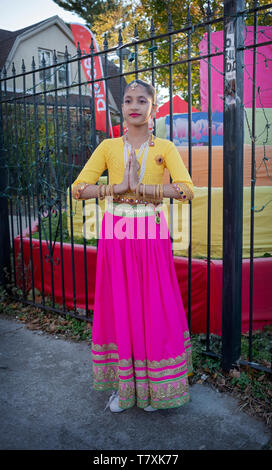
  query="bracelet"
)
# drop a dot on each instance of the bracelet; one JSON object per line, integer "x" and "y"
{"x": 158, "y": 191}
{"x": 137, "y": 190}
{"x": 101, "y": 196}
{"x": 108, "y": 189}
{"x": 161, "y": 192}
{"x": 79, "y": 188}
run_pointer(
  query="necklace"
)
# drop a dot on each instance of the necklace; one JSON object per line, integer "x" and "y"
{"x": 143, "y": 150}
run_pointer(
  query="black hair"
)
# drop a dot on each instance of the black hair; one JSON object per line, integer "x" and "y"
{"x": 149, "y": 89}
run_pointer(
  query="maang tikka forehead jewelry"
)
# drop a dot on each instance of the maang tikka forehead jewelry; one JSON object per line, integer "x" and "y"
{"x": 134, "y": 85}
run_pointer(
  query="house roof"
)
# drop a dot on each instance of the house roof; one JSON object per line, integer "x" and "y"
{"x": 7, "y": 39}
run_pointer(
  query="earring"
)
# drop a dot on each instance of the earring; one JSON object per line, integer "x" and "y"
{"x": 150, "y": 124}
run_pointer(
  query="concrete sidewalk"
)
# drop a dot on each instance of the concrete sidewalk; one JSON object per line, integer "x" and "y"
{"x": 47, "y": 402}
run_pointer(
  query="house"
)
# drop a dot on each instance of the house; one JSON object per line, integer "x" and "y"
{"x": 39, "y": 41}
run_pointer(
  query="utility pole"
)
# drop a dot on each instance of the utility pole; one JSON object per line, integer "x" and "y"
{"x": 232, "y": 181}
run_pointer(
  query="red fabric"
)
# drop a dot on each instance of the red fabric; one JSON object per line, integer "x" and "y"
{"x": 262, "y": 299}
{"x": 83, "y": 36}
{"x": 179, "y": 106}
{"x": 116, "y": 131}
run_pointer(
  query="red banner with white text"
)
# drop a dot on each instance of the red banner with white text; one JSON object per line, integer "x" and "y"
{"x": 83, "y": 36}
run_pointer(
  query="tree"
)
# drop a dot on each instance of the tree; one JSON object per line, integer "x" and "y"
{"x": 108, "y": 17}
{"x": 88, "y": 10}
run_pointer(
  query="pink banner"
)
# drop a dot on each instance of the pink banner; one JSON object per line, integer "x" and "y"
{"x": 83, "y": 35}
{"x": 263, "y": 69}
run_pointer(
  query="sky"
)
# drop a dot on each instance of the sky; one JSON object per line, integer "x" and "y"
{"x": 17, "y": 14}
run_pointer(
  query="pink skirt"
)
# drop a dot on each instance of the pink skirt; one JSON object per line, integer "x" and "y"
{"x": 140, "y": 338}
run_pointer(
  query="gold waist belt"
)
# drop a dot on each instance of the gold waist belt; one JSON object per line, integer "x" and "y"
{"x": 130, "y": 210}
{"x": 128, "y": 200}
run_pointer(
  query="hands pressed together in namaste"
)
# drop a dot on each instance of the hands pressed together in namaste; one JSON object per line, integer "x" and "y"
{"x": 131, "y": 178}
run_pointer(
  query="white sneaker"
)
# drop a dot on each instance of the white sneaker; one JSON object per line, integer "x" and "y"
{"x": 113, "y": 403}
{"x": 150, "y": 408}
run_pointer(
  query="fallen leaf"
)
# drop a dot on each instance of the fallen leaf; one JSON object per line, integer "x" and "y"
{"x": 234, "y": 373}
{"x": 261, "y": 378}
{"x": 32, "y": 326}
{"x": 221, "y": 380}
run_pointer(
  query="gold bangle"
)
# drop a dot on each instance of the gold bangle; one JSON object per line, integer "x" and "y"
{"x": 156, "y": 192}
{"x": 101, "y": 196}
{"x": 108, "y": 189}
{"x": 161, "y": 192}
{"x": 137, "y": 190}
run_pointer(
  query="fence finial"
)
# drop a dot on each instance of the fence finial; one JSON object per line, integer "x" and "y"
{"x": 13, "y": 69}
{"x": 78, "y": 49}
{"x": 170, "y": 22}
{"x": 209, "y": 11}
{"x": 33, "y": 65}
{"x": 55, "y": 59}
{"x": 120, "y": 38}
{"x": 136, "y": 34}
{"x": 189, "y": 19}
{"x": 92, "y": 46}
{"x": 66, "y": 55}
{"x": 152, "y": 28}
{"x": 105, "y": 44}
{"x": 23, "y": 66}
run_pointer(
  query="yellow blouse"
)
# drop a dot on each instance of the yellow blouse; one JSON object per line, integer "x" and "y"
{"x": 109, "y": 154}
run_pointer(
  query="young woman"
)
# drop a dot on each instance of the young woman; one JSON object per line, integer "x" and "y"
{"x": 140, "y": 340}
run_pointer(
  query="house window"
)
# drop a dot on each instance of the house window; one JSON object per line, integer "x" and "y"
{"x": 62, "y": 69}
{"x": 48, "y": 61}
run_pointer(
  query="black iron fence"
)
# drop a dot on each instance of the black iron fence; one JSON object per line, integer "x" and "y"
{"x": 49, "y": 132}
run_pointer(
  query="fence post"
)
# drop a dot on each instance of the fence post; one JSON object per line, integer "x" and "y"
{"x": 4, "y": 219}
{"x": 232, "y": 181}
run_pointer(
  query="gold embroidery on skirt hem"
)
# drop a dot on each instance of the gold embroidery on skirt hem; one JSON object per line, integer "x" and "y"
{"x": 161, "y": 394}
